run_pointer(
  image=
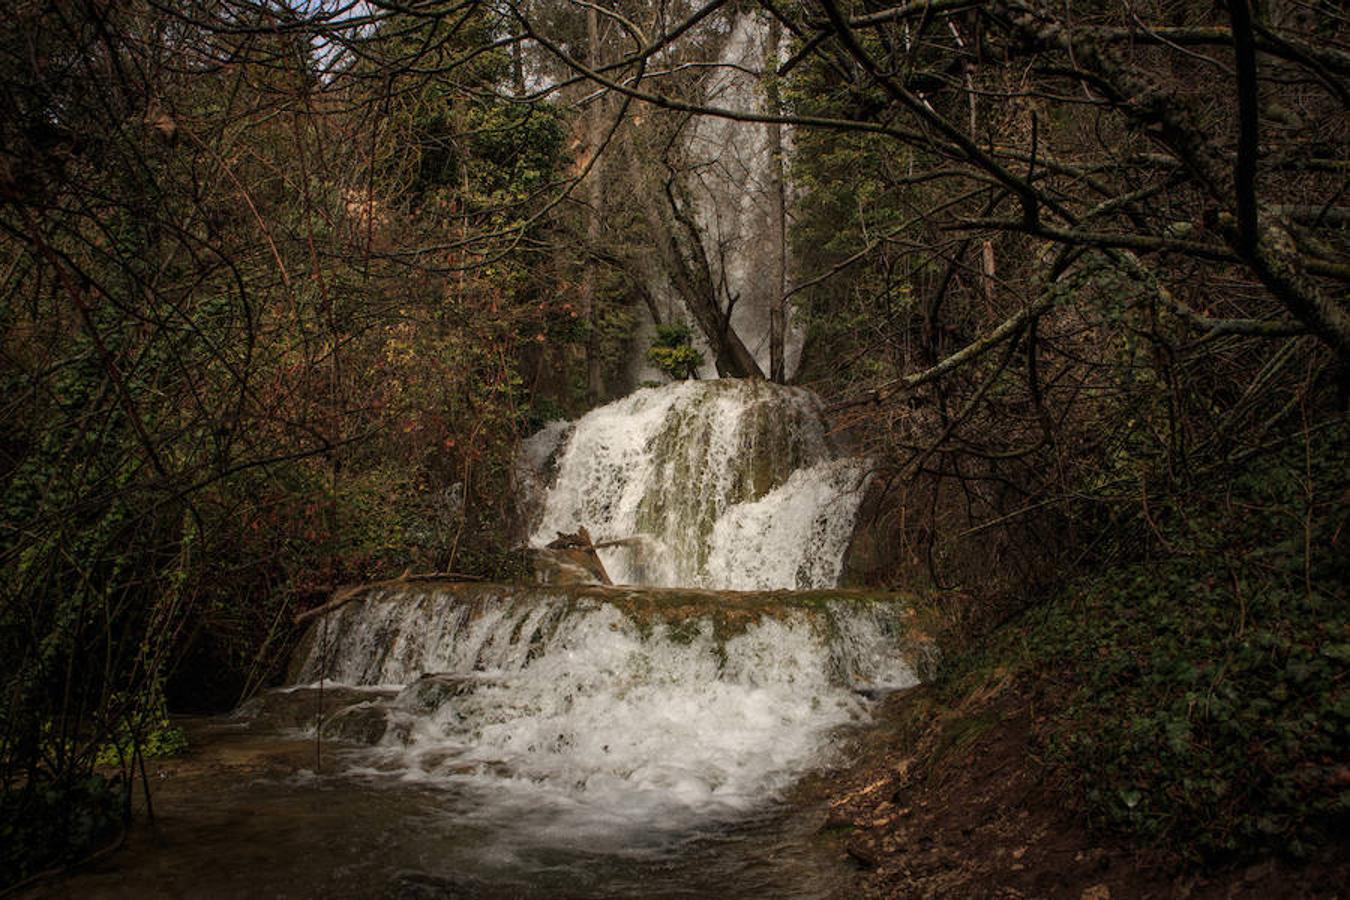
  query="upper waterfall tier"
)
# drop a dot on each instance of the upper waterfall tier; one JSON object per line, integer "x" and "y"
{"x": 730, "y": 484}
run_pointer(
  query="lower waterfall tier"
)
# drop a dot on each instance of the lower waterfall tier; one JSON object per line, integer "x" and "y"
{"x": 603, "y": 710}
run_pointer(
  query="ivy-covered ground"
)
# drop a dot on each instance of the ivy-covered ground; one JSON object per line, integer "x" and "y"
{"x": 1176, "y": 724}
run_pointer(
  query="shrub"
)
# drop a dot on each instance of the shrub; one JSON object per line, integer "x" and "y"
{"x": 1208, "y": 705}
{"x": 673, "y": 351}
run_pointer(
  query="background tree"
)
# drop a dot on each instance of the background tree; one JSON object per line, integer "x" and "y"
{"x": 1068, "y": 258}
{"x": 270, "y": 295}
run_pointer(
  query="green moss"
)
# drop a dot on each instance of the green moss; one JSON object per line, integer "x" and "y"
{"x": 685, "y": 632}
{"x": 682, "y": 612}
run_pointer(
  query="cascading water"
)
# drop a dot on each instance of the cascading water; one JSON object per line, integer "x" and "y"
{"x": 729, "y": 484}
{"x": 609, "y": 710}
{"x": 561, "y": 722}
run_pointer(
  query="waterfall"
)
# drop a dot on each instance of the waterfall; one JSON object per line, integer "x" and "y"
{"x": 732, "y": 484}
{"x": 732, "y": 192}
{"x": 647, "y": 709}
{"x": 732, "y": 166}
{"x": 392, "y": 636}
{"x": 577, "y": 717}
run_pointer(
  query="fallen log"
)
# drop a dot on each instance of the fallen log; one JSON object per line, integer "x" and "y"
{"x": 348, "y": 592}
{"x": 639, "y": 541}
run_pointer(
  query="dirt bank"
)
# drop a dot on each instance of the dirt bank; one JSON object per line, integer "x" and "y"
{"x": 952, "y": 801}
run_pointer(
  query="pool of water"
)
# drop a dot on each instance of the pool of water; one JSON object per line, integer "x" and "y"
{"x": 254, "y": 812}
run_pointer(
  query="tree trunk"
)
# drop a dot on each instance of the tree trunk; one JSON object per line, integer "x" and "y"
{"x": 677, "y": 237}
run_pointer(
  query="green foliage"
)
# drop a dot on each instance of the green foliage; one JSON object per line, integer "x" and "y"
{"x": 1209, "y": 707}
{"x": 673, "y": 352}
{"x": 847, "y": 195}
{"x": 148, "y": 730}
{"x": 515, "y": 149}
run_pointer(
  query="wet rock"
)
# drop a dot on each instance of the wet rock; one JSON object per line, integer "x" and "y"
{"x": 837, "y": 819}
{"x": 297, "y": 709}
{"x": 431, "y": 692}
{"x": 869, "y": 556}
{"x": 362, "y": 723}
{"x": 864, "y": 853}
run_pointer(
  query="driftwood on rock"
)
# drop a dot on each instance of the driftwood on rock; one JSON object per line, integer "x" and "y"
{"x": 623, "y": 542}
{"x": 580, "y": 549}
{"x": 348, "y": 592}
{"x": 581, "y": 540}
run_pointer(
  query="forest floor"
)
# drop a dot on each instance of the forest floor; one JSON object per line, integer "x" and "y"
{"x": 951, "y": 800}
{"x": 1170, "y": 723}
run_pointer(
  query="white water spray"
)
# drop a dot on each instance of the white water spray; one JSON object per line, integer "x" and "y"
{"x": 650, "y": 710}
{"x": 581, "y": 714}
{"x": 727, "y": 484}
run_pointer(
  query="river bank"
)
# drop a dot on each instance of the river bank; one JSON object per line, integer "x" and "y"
{"x": 954, "y": 801}
{"x": 1172, "y": 725}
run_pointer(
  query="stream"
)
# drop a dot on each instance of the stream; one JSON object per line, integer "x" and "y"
{"x": 669, "y": 737}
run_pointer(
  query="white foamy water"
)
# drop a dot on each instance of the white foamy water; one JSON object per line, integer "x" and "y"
{"x": 725, "y": 484}
{"x": 794, "y": 536}
{"x": 588, "y": 718}
{"x": 579, "y": 716}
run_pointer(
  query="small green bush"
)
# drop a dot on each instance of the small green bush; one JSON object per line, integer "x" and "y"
{"x": 159, "y": 737}
{"x": 673, "y": 351}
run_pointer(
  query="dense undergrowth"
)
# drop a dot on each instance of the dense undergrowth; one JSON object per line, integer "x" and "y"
{"x": 1194, "y": 698}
